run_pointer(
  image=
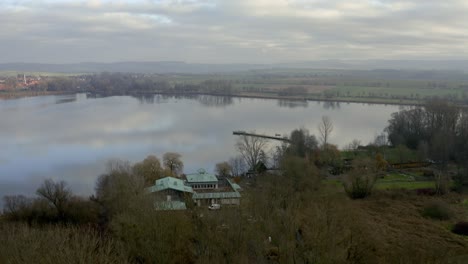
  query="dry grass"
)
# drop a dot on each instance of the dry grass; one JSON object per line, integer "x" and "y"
{"x": 404, "y": 236}
{"x": 55, "y": 244}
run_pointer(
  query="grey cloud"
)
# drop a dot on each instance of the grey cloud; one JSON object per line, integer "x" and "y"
{"x": 232, "y": 31}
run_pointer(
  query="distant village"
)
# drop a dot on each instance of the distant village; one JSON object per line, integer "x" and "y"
{"x": 21, "y": 81}
{"x": 197, "y": 189}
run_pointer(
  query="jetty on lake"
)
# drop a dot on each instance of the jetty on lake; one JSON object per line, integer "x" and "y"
{"x": 276, "y": 137}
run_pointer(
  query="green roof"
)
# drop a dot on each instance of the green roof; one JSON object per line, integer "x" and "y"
{"x": 236, "y": 186}
{"x": 200, "y": 177}
{"x": 170, "y": 183}
{"x": 170, "y": 205}
{"x": 216, "y": 195}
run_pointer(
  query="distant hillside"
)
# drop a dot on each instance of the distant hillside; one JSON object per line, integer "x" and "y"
{"x": 198, "y": 68}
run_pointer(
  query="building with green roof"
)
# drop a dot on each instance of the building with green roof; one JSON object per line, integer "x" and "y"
{"x": 170, "y": 183}
{"x": 202, "y": 180}
{"x": 202, "y": 188}
{"x": 226, "y": 195}
{"x": 170, "y": 194}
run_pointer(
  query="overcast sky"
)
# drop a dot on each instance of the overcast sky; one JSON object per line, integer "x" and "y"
{"x": 231, "y": 31}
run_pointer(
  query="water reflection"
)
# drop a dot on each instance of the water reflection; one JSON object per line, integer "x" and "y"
{"x": 205, "y": 100}
{"x": 71, "y": 139}
{"x": 215, "y": 101}
{"x": 146, "y": 99}
{"x": 331, "y": 105}
{"x": 67, "y": 99}
{"x": 292, "y": 103}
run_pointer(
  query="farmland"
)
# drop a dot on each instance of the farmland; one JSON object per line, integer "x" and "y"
{"x": 369, "y": 86}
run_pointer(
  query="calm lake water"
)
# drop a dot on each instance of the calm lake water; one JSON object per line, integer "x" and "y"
{"x": 72, "y": 137}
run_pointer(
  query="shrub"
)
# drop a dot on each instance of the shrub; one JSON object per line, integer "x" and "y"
{"x": 361, "y": 179}
{"x": 359, "y": 186}
{"x": 57, "y": 244}
{"x": 460, "y": 228}
{"x": 437, "y": 210}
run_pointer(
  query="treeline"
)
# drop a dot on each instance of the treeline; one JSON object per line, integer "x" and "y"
{"x": 127, "y": 83}
{"x": 438, "y": 129}
{"x": 56, "y": 203}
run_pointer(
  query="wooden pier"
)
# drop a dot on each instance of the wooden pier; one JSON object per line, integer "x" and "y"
{"x": 243, "y": 133}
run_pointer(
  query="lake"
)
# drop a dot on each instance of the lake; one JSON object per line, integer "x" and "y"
{"x": 71, "y": 137}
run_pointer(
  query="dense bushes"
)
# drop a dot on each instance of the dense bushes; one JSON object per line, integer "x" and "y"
{"x": 38, "y": 211}
{"x": 56, "y": 244}
{"x": 437, "y": 210}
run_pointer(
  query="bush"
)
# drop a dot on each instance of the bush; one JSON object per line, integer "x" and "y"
{"x": 359, "y": 186}
{"x": 437, "y": 210}
{"x": 360, "y": 181}
{"x": 460, "y": 228}
{"x": 57, "y": 244}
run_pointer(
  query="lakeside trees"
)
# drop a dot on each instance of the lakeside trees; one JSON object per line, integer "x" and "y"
{"x": 251, "y": 149}
{"x": 438, "y": 128}
{"x": 325, "y": 128}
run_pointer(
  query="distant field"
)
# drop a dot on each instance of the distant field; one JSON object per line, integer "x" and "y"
{"x": 379, "y": 86}
{"x": 409, "y": 92}
{"x": 405, "y": 185}
{"x": 383, "y": 185}
{"x": 391, "y": 154}
{"x": 393, "y": 181}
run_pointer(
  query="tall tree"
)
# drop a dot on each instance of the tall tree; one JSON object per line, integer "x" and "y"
{"x": 119, "y": 188}
{"x": 325, "y": 128}
{"x": 150, "y": 169}
{"x": 302, "y": 143}
{"x": 251, "y": 149}
{"x": 172, "y": 161}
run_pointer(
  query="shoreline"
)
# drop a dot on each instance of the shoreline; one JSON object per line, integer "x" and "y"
{"x": 6, "y": 95}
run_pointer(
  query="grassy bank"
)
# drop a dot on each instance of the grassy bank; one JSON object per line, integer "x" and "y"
{"x": 279, "y": 221}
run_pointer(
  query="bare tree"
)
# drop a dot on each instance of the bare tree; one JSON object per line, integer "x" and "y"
{"x": 237, "y": 165}
{"x": 172, "y": 161}
{"x": 381, "y": 140}
{"x": 14, "y": 204}
{"x": 325, "y": 128}
{"x": 56, "y": 193}
{"x": 353, "y": 145}
{"x": 251, "y": 148}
